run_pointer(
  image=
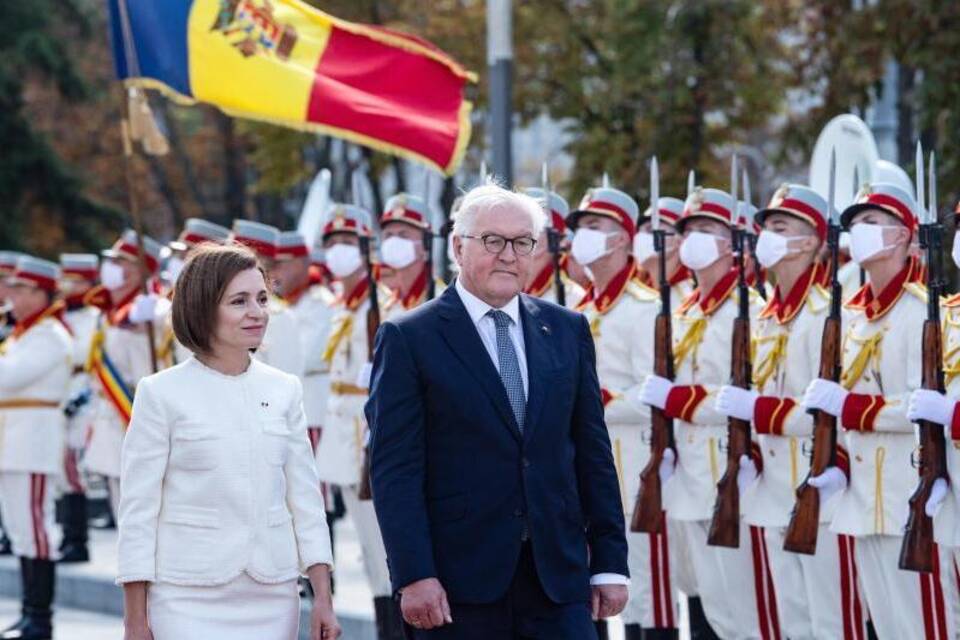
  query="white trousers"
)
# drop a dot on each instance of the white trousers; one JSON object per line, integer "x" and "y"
{"x": 371, "y": 542}
{"x": 904, "y": 604}
{"x": 242, "y": 609}
{"x": 735, "y": 585}
{"x": 27, "y": 503}
{"x": 659, "y": 567}
{"x": 818, "y": 596}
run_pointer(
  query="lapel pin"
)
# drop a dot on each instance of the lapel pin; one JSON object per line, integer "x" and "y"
{"x": 545, "y": 329}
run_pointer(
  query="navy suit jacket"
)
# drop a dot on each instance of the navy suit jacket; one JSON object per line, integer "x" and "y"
{"x": 453, "y": 478}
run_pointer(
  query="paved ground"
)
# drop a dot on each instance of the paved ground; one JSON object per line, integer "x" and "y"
{"x": 71, "y": 624}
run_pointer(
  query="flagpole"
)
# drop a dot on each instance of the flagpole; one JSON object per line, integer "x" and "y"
{"x": 500, "y": 63}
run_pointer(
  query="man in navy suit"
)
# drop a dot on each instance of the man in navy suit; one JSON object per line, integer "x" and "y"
{"x": 492, "y": 474}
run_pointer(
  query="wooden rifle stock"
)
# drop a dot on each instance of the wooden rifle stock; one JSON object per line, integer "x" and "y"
{"x": 725, "y": 525}
{"x": 801, "y": 534}
{"x": 364, "y": 491}
{"x": 649, "y": 504}
{"x": 917, "y": 551}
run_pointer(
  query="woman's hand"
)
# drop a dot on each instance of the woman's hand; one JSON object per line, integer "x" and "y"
{"x": 137, "y": 632}
{"x": 323, "y": 621}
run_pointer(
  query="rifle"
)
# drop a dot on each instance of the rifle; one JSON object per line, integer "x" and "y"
{"x": 648, "y": 508}
{"x": 553, "y": 239}
{"x": 364, "y": 492}
{"x": 428, "y": 241}
{"x": 917, "y": 551}
{"x": 801, "y": 534}
{"x": 725, "y": 525}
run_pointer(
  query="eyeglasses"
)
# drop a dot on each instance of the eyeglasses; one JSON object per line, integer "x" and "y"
{"x": 495, "y": 244}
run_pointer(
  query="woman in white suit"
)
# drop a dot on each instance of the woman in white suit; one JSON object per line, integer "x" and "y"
{"x": 220, "y": 507}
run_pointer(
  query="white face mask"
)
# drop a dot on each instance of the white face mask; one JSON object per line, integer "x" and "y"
{"x": 643, "y": 246}
{"x": 343, "y": 259}
{"x": 866, "y": 241}
{"x": 773, "y": 247}
{"x": 589, "y": 245}
{"x": 699, "y": 250}
{"x": 398, "y": 252}
{"x": 111, "y": 275}
{"x": 174, "y": 267}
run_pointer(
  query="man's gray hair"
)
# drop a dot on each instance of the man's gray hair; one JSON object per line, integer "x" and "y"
{"x": 491, "y": 196}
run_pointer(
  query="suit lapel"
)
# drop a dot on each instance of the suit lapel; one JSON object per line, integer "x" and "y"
{"x": 536, "y": 335}
{"x": 460, "y": 333}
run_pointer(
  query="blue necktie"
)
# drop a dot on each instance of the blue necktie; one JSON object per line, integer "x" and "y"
{"x": 509, "y": 366}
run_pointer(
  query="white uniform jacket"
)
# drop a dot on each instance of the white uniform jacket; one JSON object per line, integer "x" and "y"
{"x": 881, "y": 366}
{"x": 281, "y": 347}
{"x": 313, "y": 311}
{"x": 786, "y": 345}
{"x": 218, "y": 478}
{"x": 35, "y": 369}
{"x": 702, "y": 330}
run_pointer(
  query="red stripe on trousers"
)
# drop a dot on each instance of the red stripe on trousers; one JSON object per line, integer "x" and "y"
{"x": 758, "y": 582}
{"x": 927, "y": 606}
{"x": 73, "y": 474}
{"x": 655, "y": 580}
{"x": 38, "y": 483}
{"x": 314, "y": 434}
{"x": 855, "y": 579}
{"x": 771, "y": 592}
{"x": 848, "y": 595}
{"x": 667, "y": 588}
{"x": 938, "y": 594}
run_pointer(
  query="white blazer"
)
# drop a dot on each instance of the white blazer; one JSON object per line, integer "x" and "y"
{"x": 218, "y": 478}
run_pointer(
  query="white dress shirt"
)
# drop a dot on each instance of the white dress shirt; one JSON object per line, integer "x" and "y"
{"x": 477, "y": 309}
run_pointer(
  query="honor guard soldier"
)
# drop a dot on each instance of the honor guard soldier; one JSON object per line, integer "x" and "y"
{"x": 341, "y": 450}
{"x": 312, "y": 305}
{"x": 281, "y": 344}
{"x": 405, "y": 270}
{"x": 121, "y": 351}
{"x": 544, "y": 282}
{"x": 79, "y": 275}
{"x": 818, "y": 596}
{"x": 36, "y": 363}
{"x": 881, "y": 366}
{"x": 621, "y": 313}
{"x": 648, "y": 265}
{"x": 734, "y": 584}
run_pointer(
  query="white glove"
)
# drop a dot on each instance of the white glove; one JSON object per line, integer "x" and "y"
{"x": 929, "y": 405}
{"x": 668, "y": 465}
{"x": 828, "y": 483}
{"x": 363, "y": 376}
{"x": 144, "y": 308}
{"x": 825, "y": 395}
{"x": 655, "y": 391}
{"x": 747, "y": 473}
{"x": 736, "y": 402}
{"x": 937, "y": 493}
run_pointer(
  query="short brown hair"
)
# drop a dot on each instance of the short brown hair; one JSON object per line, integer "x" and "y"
{"x": 205, "y": 276}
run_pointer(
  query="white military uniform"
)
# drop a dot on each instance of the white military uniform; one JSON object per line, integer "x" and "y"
{"x": 36, "y": 363}
{"x": 881, "y": 366}
{"x": 735, "y": 585}
{"x": 622, "y": 319}
{"x": 313, "y": 310}
{"x": 818, "y": 596}
{"x": 127, "y": 348}
{"x": 543, "y": 286}
{"x": 341, "y": 449}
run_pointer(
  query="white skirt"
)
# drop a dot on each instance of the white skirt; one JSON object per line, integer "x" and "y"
{"x": 242, "y": 609}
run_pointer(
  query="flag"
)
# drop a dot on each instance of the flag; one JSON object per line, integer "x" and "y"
{"x": 287, "y": 63}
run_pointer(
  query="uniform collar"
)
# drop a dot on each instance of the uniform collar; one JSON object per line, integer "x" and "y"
{"x": 418, "y": 291}
{"x": 716, "y": 297}
{"x": 356, "y": 297}
{"x": 119, "y": 310}
{"x": 611, "y": 294}
{"x": 294, "y": 296}
{"x": 477, "y": 308}
{"x": 785, "y": 309}
{"x": 875, "y": 307}
{"x": 55, "y": 310}
{"x": 542, "y": 282}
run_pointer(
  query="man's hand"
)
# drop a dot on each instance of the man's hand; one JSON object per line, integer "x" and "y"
{"x": 424, "y": 604}
{"x": 607, "y": 600}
